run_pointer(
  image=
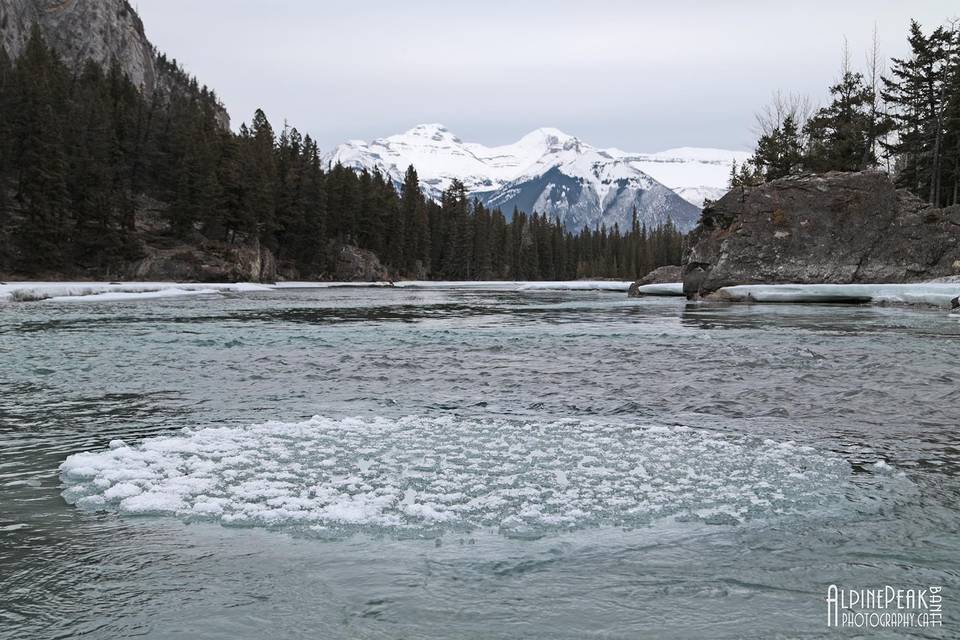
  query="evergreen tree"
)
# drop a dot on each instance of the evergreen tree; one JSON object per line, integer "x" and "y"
{"x": 90, "y": 168}
{"x": 841, "y": 136}
{"x": 919, "y": 89}
{"x": 778, "y": 155}
{"x": 414, "y": 224}
{"x": 259, "y": 173}
{"x": 40, "y": 157}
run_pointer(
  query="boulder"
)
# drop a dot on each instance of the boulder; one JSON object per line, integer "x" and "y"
{"x": 834, "y": 228}
{"x": 660, "y": 275}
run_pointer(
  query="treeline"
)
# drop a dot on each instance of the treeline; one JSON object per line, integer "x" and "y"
{"x": 906, "y": 121}
{"x": 93, "y": 173}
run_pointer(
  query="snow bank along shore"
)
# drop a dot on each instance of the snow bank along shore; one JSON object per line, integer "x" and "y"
{"x": 933, "y": 294}
{"x": 936, "y": 294}
{"x": 113, "y": 291}
{"x": 105, "y": 291}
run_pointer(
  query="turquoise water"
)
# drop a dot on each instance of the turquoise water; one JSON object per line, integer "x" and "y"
{"x": 375, "y": 463}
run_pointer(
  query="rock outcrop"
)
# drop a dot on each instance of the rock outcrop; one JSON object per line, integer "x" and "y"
{"x": 212, "y": 262}
{"x": 352, "y": 264}
{"x": 217, "y": 262}
{"x": 660, "y": 275}
{"x": 104, "y": 31}
{"x": 834, "y": 228}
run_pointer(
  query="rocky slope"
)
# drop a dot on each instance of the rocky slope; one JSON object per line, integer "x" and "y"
{"x": 835, "y": 228}
{"x": 549, "y": 171}
{"x": 105, "y": 31}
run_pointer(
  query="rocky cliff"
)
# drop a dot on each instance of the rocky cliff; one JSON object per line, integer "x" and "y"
{"x": 832, "y": 228}
{"x": 105, "y": 31}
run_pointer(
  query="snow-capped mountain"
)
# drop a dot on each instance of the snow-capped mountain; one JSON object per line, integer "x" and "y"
{"x": 553, "y": 173}
{"x": 693, "y": 173}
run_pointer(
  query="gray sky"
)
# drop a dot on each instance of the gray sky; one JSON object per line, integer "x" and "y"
{"x": 642, "y": 76}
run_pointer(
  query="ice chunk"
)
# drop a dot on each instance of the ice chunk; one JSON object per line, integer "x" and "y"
{"x": 521, "y": 478}
{"x": 662, "y": 289}
{"x": 577, "y": 285}
{"x": 937, "y": 294}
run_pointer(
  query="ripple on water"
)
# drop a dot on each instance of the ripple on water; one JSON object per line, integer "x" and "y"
{"x": 416, "y": 474}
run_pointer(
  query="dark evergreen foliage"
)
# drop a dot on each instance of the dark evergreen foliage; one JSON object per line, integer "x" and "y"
{"x": 779, "y": 154}
{"x": 81, "y": 154}
{"x": 919, "y": 129}
{"x": 924, "y": 90}
{"x": 842, "y": 135}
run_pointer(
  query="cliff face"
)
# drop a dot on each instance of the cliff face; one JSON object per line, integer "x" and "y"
{"x": 105, "y": 31}
{"x": 833, "y": 228}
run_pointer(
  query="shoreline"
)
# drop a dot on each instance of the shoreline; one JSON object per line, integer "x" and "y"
{"x": 936, "y": 294}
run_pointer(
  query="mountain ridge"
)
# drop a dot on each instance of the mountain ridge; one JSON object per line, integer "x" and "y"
{"x": 553, "y": 173}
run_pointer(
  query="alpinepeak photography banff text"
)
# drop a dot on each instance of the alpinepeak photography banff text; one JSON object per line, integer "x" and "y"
{"x": 433, "y": 320}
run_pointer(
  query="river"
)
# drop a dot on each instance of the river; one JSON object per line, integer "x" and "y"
{"x": 470, "y": 463}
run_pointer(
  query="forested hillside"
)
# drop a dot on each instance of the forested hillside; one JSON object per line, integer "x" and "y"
{"x": 95, "y": 175}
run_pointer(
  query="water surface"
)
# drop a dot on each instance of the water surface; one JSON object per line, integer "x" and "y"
{"x": 518, "y": 464}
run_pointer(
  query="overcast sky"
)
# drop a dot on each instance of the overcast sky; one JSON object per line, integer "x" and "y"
{"x": 642, "y": 76}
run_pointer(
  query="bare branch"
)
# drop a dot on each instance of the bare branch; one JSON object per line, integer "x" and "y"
{"x": 781, "y": 105}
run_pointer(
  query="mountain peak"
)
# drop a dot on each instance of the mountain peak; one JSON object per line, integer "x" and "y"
{"x": 551, "y": 172}
{"x": 548, "y": 136}
{"x": 432, "y": 131}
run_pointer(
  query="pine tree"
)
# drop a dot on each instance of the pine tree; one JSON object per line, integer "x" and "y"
{"x": 260, "y": 173}
{"x": 7, "y": 94}
{"x": 778, "y": 155}
{"x": 840, "y": 136}
{"x": 950, "y": 182}
{"x": 416, "y": 238}
{"x": 919, "y": 91}
{"x": 40, "y": 156}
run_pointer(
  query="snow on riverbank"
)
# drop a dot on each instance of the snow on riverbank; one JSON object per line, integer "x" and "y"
{"x": 106, "y": 291}
{"x": 116, "y": 291}
{"x": 509, "y": 285}
{"x": 576, "y": 285}
{"x": 661, "y": 289}
{"x": 937, "y": 294}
